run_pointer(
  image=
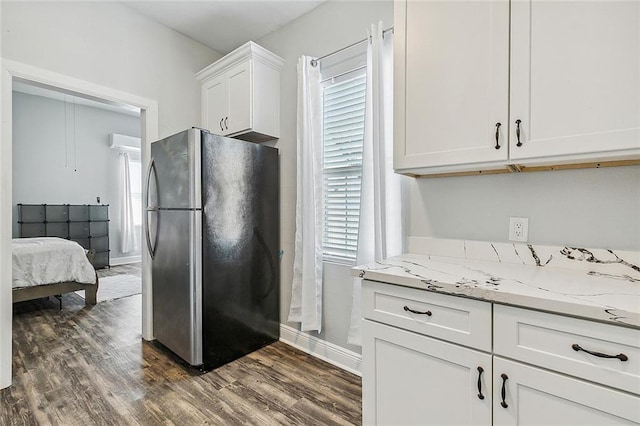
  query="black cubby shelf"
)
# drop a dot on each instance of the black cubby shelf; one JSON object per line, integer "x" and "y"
{"x": 86, "y": 224}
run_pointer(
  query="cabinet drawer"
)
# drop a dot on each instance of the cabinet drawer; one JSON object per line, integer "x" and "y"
{"x": 99, "y": 212}
{"x": 455, "y": 319}
{"x": 100, "y": 243}
{"x": 28, "y": 230}
{"x": 78, "y": 229}
{"x": 56, "y": 213}
{"x": 57, "y": 229}
{"x": 84, "y": 242}
{"x": 101, "y": 260}
{"x": 99, "y": 229}
{"x": 548, "y": 340}
{"x": 31, "y": 212}
{"x": 79, "y": 213}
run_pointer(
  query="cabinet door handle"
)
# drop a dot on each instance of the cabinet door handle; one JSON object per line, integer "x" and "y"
{"x": 225, "y": 122}
{"x": 221, "y": 128}
{"x": 427, "y": 313}
{"x": 498, "y": 135}
{"x": 503, "y": 392}
{"x": 518, "y": 121}
{"x": 480, "y": 395}
{"x": 621, "y": 357}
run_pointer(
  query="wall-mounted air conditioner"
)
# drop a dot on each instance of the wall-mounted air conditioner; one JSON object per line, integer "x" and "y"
{"x": 125, "y": 143}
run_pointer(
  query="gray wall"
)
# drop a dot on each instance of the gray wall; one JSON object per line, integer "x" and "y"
{"x": 598, "y": 208}
{"x": 594, "y": 208}
{"x": 47, "y": 168}
{"x": 327, "y": 28}
{"x": 110, "y": 44}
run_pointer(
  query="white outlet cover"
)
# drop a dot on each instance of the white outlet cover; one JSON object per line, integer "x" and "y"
{"x": 518, "y": 229}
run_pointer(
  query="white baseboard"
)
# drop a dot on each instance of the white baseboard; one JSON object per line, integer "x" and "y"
{"x": 329, "y": 352}
{"x": 125, "y": 260}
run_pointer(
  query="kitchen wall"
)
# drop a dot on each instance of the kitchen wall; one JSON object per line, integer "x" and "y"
{"x": 109, "y": 44}
{"x": 49, "y": 167}
{"x": 597, "y": 208}
{"x": 593, "y": 208}
{"x": 329, "y": 27}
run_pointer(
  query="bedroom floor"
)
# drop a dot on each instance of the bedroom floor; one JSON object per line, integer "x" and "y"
{"x": 83, "y": 366}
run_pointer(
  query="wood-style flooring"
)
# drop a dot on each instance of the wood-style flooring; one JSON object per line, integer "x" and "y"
{"x": 88, "y": 365}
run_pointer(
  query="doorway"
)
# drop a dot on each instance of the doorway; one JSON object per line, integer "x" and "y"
{"x": 17, "y": 72}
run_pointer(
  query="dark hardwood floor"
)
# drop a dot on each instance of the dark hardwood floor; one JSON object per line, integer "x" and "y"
{"x": 88, "y": 365}
{"x": 131, "y": 268}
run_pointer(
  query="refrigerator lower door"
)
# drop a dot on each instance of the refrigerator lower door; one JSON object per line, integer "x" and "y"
{"x": 177, "y": 283}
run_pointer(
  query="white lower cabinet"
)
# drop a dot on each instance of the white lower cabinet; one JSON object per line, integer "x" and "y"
{"x": 525, "y": 395}
{"x": 424, "y": 365}
{"x": 411, "y": 379}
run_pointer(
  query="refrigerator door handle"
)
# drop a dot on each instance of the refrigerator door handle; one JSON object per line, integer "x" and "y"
{"x": 146, "y": 222}
{"x": 148, "y": 236}
{"x": 152, "y": 166}
{"x": 269, "y": 256}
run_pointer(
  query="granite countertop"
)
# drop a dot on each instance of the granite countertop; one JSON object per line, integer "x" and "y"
{"x": 595, "y": 284}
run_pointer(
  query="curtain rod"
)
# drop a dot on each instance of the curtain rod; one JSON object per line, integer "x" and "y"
{"x": 314, "y": 62}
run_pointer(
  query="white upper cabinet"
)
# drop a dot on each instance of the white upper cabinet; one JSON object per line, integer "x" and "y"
{"x": 575, "y": 77}
{"x": 214, "y": 104}
{"x": 451, "y": 88}
{"x": 561, "y": 78}
{"x": 241, "y": 94}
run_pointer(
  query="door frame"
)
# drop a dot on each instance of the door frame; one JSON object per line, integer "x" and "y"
{"x": 11, "y": 70}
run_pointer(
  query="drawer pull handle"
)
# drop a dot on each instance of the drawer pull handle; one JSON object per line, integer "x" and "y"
{"x": 518, "y": 121}
{"x": 480, "y": 395}
{"x": 427, "y": 313}
{"x": 498, "y": 135}
{"x": 621, "y": 357}
{"x": 503, "y": 392}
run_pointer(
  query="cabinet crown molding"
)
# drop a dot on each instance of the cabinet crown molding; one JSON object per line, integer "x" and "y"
{"x": 249, "y": 50}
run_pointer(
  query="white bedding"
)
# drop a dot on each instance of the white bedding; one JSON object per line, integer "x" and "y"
{"x": 48, "y": 260}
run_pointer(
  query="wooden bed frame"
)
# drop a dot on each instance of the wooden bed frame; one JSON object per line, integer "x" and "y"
{"x": 46, "y": 290}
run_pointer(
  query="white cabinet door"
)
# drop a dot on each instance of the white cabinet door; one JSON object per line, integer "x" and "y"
{"x": 575, "y": 77}
{"x": 537, "y": 397}
{"x": 408, "y": 378}
{"x": 239, "y": 107}
{"x": 214, "y": 105}
{"x": 451, "y": 85}
{"x": 241, "y": 94}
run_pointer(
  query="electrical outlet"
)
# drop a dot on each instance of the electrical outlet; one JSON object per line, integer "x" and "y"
{"x": 518, "y": 228}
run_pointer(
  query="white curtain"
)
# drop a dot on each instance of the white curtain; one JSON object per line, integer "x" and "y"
{"x": 306, "y": 297}
{"x": 128, "y": 238}
{"x": 380, "y": 229}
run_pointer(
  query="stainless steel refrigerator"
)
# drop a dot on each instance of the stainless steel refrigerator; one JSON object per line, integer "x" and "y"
{"x": 213, "y": 234}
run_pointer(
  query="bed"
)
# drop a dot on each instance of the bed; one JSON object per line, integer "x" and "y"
{"x": 51, "y": 266}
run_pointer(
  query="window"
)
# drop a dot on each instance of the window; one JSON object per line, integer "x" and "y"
{"x": 135, "y": 174}
{"x": 343, "y": 133}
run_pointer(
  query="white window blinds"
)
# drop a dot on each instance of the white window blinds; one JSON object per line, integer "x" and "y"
{"x": 343, "y": 133}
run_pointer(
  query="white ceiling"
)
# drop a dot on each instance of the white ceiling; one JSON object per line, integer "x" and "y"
{"x": 224, "y": 25}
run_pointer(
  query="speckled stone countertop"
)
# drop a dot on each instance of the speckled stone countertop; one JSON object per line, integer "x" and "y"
{"x": 596, "y": 284}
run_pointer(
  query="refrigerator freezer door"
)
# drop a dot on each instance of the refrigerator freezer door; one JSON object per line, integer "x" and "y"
{"x": 174, "y": 178}
{"x": 177, "y": 283}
